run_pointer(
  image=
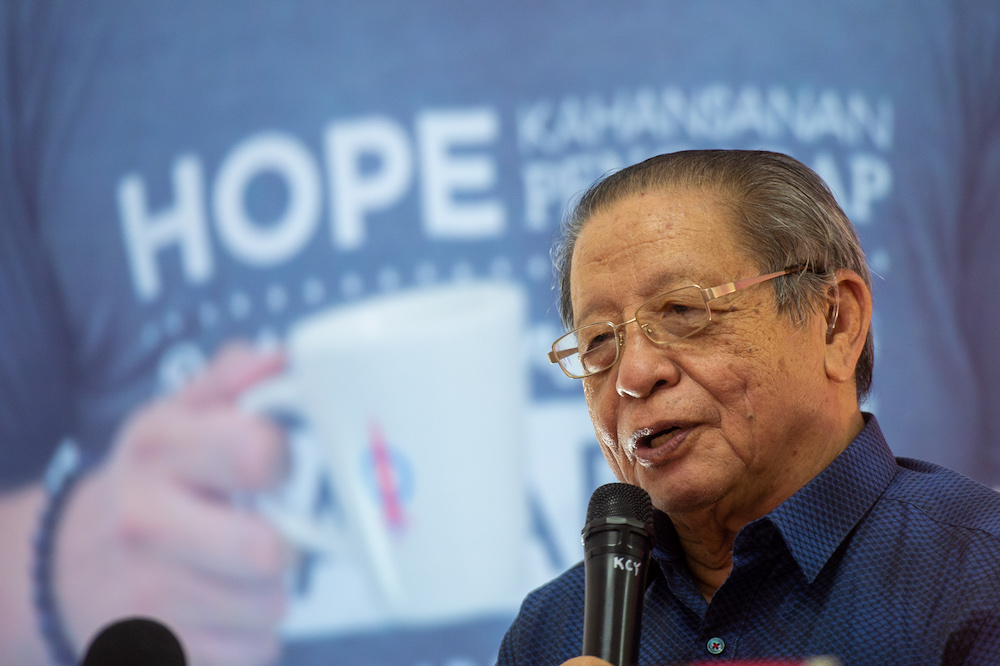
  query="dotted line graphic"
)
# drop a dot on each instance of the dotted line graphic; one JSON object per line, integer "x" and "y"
{"x": 313, "y": 292}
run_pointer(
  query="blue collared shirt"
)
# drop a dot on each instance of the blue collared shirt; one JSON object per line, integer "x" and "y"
{"x": 877, "y": 560}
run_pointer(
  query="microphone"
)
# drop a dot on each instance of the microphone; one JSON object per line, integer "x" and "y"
{"x": 135, "y": 641}
{"x": 617, "y": 542}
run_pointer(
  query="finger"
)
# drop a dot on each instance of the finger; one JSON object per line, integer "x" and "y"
{"x": 208, "y": 601}
{"x": 226, "y": 450}
{"x": 236, "y": 368}
{"x": 206, "y": 647}
{"x": 172, "y": 525}
{"x": 220, "y": 449}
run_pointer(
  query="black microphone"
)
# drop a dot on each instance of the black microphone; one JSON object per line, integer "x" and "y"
{"x": 135, "y": 641}
{"x": 617, "y": 542}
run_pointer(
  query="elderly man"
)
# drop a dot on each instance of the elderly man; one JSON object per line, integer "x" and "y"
{"x": 720, "y": 310}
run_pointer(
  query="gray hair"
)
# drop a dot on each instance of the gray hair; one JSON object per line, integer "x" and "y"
{"x": 784, "y": 214}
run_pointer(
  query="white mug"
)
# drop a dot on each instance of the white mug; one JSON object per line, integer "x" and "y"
{"x": 414, "y": 404}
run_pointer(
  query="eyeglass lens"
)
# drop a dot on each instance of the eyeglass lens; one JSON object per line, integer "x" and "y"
{"x": 668, "y": 317}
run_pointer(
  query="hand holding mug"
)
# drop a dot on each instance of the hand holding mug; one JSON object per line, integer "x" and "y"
{"x": 154, "y": 532}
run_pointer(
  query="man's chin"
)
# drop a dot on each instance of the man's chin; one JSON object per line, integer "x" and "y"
{"x": 678, "y": 495}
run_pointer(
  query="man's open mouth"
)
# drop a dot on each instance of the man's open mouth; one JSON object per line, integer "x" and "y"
{"x": 657, "y": 439}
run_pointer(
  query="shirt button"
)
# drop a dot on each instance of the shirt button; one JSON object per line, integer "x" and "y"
{"x": 716, "y": 645}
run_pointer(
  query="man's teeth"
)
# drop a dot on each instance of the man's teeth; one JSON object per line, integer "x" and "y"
{"x": 662, "y": 437}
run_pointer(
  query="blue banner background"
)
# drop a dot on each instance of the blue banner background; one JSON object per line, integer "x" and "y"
{"x": 307, "y": 155}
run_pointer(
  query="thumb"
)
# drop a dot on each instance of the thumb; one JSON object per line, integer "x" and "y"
{"x": 234, "y": 369}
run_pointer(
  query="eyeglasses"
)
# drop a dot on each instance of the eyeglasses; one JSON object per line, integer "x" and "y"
{"x": 666, "y": 318}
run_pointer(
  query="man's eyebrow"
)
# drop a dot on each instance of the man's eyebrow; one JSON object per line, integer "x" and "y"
{"x": 663, "y": 280}
{"x": 653, "y": 284}
{"x": 587, "y": 316}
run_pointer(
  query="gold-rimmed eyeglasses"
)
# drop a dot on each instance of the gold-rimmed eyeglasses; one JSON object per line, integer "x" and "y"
{"x": 669, "y": 317}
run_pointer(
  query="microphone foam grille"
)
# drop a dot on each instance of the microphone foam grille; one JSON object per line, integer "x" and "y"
{"x": 622, "y": 500}
{"x": 135, "y": 641}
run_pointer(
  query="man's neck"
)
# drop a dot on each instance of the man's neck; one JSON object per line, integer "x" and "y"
{"x": 707, "y": 535}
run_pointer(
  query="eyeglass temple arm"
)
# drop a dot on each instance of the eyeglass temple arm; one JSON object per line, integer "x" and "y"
{"x": 730, "y": 287}
{"x": 556, "y": 356}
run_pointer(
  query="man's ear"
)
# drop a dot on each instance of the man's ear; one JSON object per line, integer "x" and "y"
{"x": 849, "y": 316}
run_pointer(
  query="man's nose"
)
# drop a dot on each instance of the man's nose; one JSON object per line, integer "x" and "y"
{"x": 643, "y": 365}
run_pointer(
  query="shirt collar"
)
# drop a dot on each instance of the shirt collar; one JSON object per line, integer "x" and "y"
{"x": 818, "y": 518}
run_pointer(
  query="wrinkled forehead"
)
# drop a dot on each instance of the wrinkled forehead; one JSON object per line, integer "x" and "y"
{"x": 664, "y": 226}
{"x": 644, "y": 242}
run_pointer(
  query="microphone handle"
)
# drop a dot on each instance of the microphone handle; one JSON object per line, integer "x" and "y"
{"x": 616, "y": 559}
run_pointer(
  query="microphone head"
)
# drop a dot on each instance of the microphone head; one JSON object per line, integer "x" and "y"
{"x": 621, "y": 500}
{"x": 135, "y": 641}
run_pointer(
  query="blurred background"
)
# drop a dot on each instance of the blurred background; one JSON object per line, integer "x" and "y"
{"x": 179, "y": 175}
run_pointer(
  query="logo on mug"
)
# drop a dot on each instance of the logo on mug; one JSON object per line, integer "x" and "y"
{"x": 390, "y": 477}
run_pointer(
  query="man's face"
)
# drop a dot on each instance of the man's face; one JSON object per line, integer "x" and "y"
{"x": 725, "y": 418}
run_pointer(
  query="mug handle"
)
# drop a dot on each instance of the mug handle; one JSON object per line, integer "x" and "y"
{"x": 276, "y": 396}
